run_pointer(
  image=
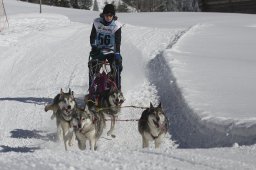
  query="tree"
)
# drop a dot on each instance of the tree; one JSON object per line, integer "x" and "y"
{"x": 74, "y": 3}
{"x": 95, "y": 6}
{"x": 163, "y": 5}
{"x": 122, "y": 7}
{"x": 81, "y": 4}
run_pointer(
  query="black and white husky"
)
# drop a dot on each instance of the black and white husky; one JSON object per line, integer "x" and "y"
{"x": 63, "y": 107}
{"x": 108, "y": 104}
{"x": 88, "y": 125}
{"x": 153, "y": 125}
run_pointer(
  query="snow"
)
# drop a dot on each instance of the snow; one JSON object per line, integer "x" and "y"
{"x": 199, "y": 65}
{"x": 232, "y": 65}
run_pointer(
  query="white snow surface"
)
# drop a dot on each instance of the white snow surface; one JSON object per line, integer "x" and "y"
{"x": 208, "y": 59}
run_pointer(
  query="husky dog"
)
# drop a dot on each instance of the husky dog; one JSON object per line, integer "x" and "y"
{"x": 88, "y": 125}
{"x": 108, "y": 104}
{"x": 63, "y": 107}
{"x": 153, "y": 125}
{"x": 112, "y": 98}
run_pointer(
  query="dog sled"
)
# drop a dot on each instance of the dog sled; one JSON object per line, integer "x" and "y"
{"x": 103, "y": 103}
{"x": 104, "y": 80}
{"x": 105, "y": 96}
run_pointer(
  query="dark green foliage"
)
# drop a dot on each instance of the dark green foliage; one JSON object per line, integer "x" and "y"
{"x": 95, "y": 6}
{"x": 122, "y": 7}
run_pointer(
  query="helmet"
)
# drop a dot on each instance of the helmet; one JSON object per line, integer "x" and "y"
{"x": 109, "y": 8}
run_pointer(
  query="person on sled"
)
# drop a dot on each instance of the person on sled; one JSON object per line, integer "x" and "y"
{"x": 105, "y": 40}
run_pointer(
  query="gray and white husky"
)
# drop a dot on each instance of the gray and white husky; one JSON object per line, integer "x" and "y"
{"x": 108, "y": 104}
{"x": 153, "y": 125}
{"x": 88, "y": 125}
{"x": 63, "y": 107}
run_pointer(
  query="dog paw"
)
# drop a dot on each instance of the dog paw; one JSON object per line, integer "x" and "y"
{"x": 70, "y": 143}
{"x": 109, "y": 133}
{"x": 53, "y": 116}
{"x": 113, "y": 136}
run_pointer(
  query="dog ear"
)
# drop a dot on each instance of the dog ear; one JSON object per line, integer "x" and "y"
{"x": 86, "y": 108}
{"x": 69, "y": 91}
{"x": 61, "y": 94}
{"x": 160, "y": 105}
{"x": 112, "y": 90}
{"x": 151, "y": 106}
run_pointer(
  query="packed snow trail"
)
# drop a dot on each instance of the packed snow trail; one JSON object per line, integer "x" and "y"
{"x": 42, "y": 53}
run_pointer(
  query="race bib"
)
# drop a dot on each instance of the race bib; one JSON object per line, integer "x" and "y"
{"x": 106, "y": 34}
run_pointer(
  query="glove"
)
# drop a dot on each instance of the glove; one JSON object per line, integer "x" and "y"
{"x": 94, "y": 47}
{"x": 95, "y": 52}
{"x": 118, "y": 57}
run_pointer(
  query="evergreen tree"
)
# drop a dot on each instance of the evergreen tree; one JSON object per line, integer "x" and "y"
{"x": 95, "y": 6}
{"x": 87, "y": 4}
{"x": 132, "y": 3}
{"x": 84, "y": 4}
{"x": 64, "y": 3}
{"x": 140, "y": 5}
{"x": 163, "y": 5}
{"x": 74, "y": 3}
{"x": 122, "y": 7}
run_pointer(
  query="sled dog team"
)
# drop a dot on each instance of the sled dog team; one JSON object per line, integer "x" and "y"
{"x": 88, "y": 123}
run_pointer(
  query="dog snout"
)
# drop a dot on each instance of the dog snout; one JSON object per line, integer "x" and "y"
{"x": 69, "y": 107}
{"x": 79, "y": 125}
{"x": 157, "y": 118}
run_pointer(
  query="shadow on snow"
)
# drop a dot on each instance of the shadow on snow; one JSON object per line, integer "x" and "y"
{"x": 18, "y": 149}
{"x": 33, "y": 134}
{"x": 185, "y": 126}
{"x": 28, "y": 134}
{"x": 33, "y": 100}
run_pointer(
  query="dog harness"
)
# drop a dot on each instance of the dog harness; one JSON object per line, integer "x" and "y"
{"x": 162, "y": 128}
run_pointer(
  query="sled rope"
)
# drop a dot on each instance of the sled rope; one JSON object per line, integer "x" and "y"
{"x": 124, "y": 120}
{"x": 117, "y": 107}
{"x": 137, "y": 107}
{"x": 129, "y": 106}
{"x": 92, "y": 101}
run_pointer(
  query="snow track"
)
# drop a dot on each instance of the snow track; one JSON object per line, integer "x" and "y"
{"x": 42, "y": 53}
